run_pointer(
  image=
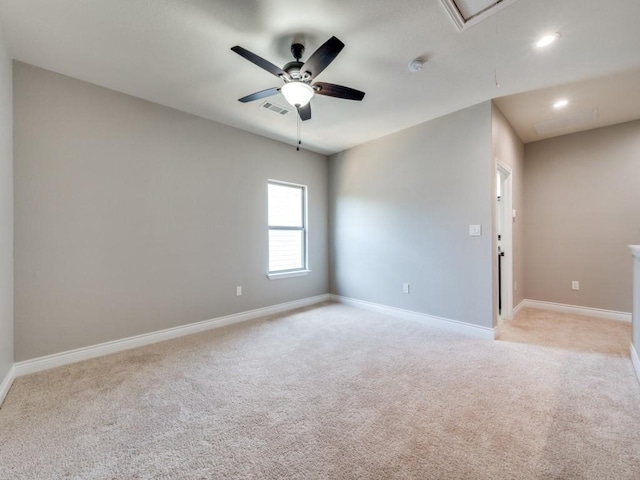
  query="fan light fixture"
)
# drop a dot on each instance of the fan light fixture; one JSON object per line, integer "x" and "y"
{"x": 297, "y": 93}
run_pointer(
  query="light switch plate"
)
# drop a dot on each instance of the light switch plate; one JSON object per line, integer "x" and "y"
{"x": 475, "y": 230}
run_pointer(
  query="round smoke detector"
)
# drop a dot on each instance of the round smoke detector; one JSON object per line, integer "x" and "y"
{"x": 416, "y": 64}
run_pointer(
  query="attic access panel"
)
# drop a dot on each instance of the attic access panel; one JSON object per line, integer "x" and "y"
{"x": 466, "y": 13}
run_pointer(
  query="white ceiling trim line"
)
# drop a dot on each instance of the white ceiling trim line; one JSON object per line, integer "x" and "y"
{"x": 462, "y": 24}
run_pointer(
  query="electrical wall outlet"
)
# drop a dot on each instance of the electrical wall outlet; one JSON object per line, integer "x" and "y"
{"x": 238, "y": 291}
{"x": 515, "y": 286}
{"x": 405, "y": 288}
{"x": 575, "y": 285}
{"x": 475, "y": 230}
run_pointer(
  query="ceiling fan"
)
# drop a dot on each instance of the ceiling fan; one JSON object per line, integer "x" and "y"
{"x": 297, "y": 76}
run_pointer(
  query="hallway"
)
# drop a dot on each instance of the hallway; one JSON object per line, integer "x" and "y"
{"x": 567, "y": 331}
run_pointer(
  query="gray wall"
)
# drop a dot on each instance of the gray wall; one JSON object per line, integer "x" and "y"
{"x": 509, "y": 150}
{"x": 582, "y": 193}
{"x": 6, "y": 213}
{"x": 400, "y": 211}
{"x": 131, "y": 217}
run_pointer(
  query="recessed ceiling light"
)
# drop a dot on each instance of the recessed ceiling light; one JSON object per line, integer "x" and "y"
{"x": 547, "y": 40}
{"x": 563, "y": 102}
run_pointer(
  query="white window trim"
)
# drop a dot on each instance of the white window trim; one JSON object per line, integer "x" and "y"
{"x": 305, "y": 269}
{"x": 293, "y": 273}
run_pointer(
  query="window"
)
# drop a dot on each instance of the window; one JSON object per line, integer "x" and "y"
{"x": 287, "y": 229}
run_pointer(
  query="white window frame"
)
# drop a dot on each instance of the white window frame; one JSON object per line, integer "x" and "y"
{"x": 304, "y": 270}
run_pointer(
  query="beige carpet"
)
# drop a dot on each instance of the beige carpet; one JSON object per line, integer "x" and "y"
{"x": 568, "y": 331}
{"x": 327, "y": 393}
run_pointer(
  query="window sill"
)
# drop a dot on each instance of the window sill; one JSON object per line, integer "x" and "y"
{"x": 297, "y": 273}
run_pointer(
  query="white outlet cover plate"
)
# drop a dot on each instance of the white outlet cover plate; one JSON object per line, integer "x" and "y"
{"x": 475, "y": 230}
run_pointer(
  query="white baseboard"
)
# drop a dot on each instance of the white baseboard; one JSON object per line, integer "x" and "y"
{"x": 636, "y": 361}
{"x": 6, "y": 383}
{"x": 576, "y": 310}
{"x": 444, "y": 323}
{"x": 519, "y": 307}
{"x": 72, "y": 356}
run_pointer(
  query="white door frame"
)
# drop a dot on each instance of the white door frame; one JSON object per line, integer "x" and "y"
{"x": 506, "y": 204}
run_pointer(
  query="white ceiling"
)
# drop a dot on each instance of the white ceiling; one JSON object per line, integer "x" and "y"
{"x": 616, "y": 99}
{"x": 177, "y": 53}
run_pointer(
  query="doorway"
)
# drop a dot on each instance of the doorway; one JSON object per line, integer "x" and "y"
{"x": 504, "y": 233}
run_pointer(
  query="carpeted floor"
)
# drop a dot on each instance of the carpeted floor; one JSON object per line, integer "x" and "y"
{"x": 568, "y": 331}
{"x": 331, "y": 392}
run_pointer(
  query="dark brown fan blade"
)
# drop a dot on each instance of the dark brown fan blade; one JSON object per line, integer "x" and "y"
{"x": 322, "y": 57}
{"x": 305, "y": 112}
{"x": 258, "y": 95}
{"x": 261, "y": 62}
{"x": 333, "y": 90}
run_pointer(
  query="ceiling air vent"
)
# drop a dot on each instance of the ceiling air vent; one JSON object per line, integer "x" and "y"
{"x": 275, "y": 108}
{"x": 574, "y": 121}
{"x": 466, "y": 13}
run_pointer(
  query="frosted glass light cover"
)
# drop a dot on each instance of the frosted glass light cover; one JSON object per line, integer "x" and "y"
{"x": 297, "y": 94}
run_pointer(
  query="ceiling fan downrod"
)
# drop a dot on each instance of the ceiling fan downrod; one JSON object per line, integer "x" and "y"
{"x": 297, "y": 50}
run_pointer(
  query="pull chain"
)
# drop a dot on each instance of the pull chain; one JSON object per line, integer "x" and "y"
{"x": 298, "y": 142}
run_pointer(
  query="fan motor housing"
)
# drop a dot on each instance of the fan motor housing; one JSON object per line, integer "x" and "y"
{"x": 293, "y": 69}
